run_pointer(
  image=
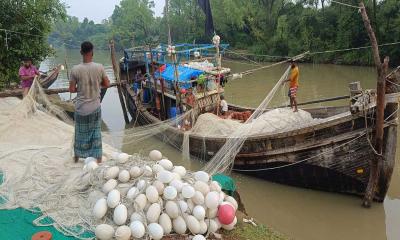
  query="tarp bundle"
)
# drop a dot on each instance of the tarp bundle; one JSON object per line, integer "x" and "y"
{"x": 185, "y": 74}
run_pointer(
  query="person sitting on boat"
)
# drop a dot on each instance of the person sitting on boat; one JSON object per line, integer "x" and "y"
{"x": 27, "y": 74}
{"x": 139, "y": 78}
{"x": 86, "y": 80}
{"x": 293, "y": 85}
{"x": 224, "y": 106}
{"x": 190, "y": 98}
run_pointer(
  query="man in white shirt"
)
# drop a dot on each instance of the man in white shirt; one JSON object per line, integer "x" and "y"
{"x": 223, "y": 105}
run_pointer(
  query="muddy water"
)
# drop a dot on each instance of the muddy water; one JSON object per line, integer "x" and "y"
{"x": 298, "y": 213}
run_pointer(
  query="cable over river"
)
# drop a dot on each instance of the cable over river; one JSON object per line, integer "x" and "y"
{"x": 297, "y": 213}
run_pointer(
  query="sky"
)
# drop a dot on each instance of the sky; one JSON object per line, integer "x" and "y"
{"x": 98, "y": 10}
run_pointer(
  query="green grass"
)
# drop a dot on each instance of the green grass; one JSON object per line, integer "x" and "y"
{"x": 244, "y": 231}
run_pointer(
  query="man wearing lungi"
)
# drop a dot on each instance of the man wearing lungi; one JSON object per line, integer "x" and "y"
{"x": 86, "y": 80}
{"x": 293, "y": 84}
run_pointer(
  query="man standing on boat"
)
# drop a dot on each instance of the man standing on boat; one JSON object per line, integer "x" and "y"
{"x": 27, "y": 74}
{"x": 293, "y": 84}
{"x": 86, "y": 80}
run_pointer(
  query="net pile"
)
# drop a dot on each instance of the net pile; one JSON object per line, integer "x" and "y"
{"x": 273, "y": 121}
{"x": 223, "y": 160}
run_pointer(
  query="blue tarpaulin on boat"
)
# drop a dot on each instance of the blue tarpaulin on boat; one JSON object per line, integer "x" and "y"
{"x": 185, "y": 74}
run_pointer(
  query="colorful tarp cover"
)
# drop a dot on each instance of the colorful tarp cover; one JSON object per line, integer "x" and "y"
{"x": 185, "y": 74}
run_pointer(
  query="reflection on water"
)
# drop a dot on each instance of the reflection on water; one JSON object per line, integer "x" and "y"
{"x": 298, "y": 213}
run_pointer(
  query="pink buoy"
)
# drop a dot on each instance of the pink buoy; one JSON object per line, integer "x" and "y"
{"x": 226, "y": 214}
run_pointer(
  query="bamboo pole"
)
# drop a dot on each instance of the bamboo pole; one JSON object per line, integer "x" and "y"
{"x": 381, "y": 68}
{"x": 119, "y": 85}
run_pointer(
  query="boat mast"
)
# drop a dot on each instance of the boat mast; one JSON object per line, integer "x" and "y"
{"x": 169, "y": 27}
{"x": 380, "y": 107}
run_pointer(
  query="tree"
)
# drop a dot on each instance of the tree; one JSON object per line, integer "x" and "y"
{"x": 27, "y": 24}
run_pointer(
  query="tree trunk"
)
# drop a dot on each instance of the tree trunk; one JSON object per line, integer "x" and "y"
{"x": 380, "y": 107}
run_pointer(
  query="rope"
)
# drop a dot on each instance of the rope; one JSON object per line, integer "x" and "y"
{"x": 351, "y": 49}
{"x": 346, "y": 4}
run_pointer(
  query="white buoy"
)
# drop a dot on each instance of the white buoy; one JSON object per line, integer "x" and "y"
{"x": 147, "y": 171}
{"x": 232, "y": 201}
{"x": 100, "y": 208}
{"x": 180, "y": 170}
{"x": 176, "y": 176}
{"x": 201, "y": 176}
{"x": 157, "y": 168}
{"x": 124, "y": 176}
{"x": 137, "y": 229}
{"x": 123, "y": 158}
{"x": 182, "y": 206}
{"x": 90, "y": 159}
{"x": 123, "y": 233}
{"x": 92, "y": 165}
{"x": 188, "y": 191}
{"x": 152, "y": 194}
{"x": 153, "y": 213}
{"x": 201, "y": 187}
{"x": 199, "y": 212}
{"x": 193, "y": 224}
{"x": 137, "y": 217}
{"x": 113, "y": 198}
{"x": 104, "y": 232}
{"x": 214, "y": 186}
{"x": 141, "y": 201}
{"x": 123, "y": 188}
{"x": 155, "y": 155}
{"x": 115, "y": 155}
{"x": 179, "y": 225}
{"x": 172, "y": 209}
{"x": 198, "y": 198}
{"x": 212, "y": 225}
{"x": 111, "y": 173}
{"x": 165, "y": 176}
{"x": 198, "y": 237}
{"x": 166, "y": 164}
{"x": 135, "y": 171}
{"x": 109, "y": 185}
{"x": 141, "y": 185}
{"x": 132, "y": 193}
{"x": 230, "y": 227}
{"x": 212, "y": 212}
{"x": 177, "y": 184}
{"x": 170, "y": 193}
{"x": 221, "y": 197}
{"x": 166, "y": 223}
{"x": 159, "y": 186}
{"x": 212, "y": 200}
{"x": 120, "y": 214}
{"x": 156, "y": 232}
{"x": 203, "y": 227}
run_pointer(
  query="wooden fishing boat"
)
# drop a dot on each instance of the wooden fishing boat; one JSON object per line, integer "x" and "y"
{"x": 47, "y": 79}
{"x": 332, "y": 155}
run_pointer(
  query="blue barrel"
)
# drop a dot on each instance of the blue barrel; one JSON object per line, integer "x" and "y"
{"x": 146, "y": 95}
{"x": 135, "y": 87}
{"x": 173, "y": 111}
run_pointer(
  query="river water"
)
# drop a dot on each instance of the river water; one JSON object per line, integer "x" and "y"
{"x": 297, "y": 213}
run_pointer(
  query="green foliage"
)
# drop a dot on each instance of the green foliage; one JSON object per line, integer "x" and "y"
{"x": 34, "y": 18}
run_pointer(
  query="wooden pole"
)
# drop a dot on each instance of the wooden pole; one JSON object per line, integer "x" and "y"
{"x": 177, "y": 88}
{"x": 152, "y": 75}
{"x": 380, "y": 107}
{"x": 18, "y": 92}
{"x": 119, "y": 86}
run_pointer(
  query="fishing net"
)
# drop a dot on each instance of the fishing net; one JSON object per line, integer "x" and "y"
{"x": 223, "y": 160}
{"x": 36, "y": 161}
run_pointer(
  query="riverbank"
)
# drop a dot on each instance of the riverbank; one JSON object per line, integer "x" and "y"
{"x": 361, "y": 59}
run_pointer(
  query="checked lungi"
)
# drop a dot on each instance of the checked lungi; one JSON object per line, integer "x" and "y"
{"x": 292, "y": 92}
{"x": 88, "y": 135}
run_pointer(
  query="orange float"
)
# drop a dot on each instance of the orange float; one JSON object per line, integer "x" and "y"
{"x": 45, "y": 235}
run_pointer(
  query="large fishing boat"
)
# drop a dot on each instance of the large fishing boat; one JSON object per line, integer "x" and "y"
{"x": 333, "y": 154}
